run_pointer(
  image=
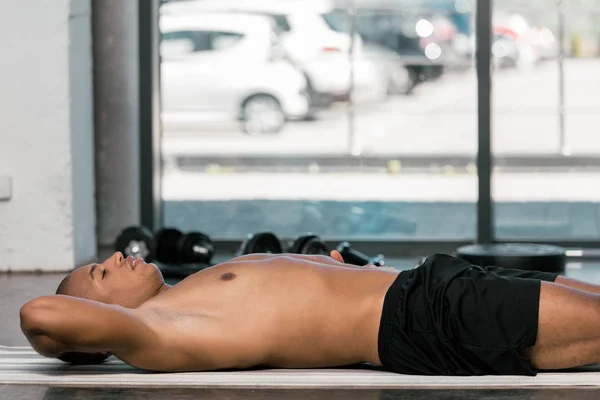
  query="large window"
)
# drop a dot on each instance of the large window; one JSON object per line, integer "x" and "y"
{"x": 546, "y": 119}
{"x": 351, "y": 121}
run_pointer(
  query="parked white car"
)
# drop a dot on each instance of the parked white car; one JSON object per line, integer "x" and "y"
{"x": 320, "y": 52}
{"x": 227, "y": 67}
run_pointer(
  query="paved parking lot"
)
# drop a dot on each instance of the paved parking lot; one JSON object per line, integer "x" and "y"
{"x": 439, "y": 118}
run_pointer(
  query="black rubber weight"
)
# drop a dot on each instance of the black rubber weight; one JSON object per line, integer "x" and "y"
{"x": 137, "y": 241}
{"x": 166, "y": 240}
{"x": 309, "y": 243}
{"x": 523, "y": 256}
{"x": 195, "y": 247}
{"x": 296, "y": 247}
{"x": 315, "y": 246}
{"x": 264, "y": 242}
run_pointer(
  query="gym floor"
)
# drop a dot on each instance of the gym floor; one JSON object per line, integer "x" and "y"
{"x": 18, "y": 289}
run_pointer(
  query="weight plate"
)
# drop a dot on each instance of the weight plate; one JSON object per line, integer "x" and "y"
{"x": 137, "y": 241}
{"x": 315, "y": 246}
{"x": 522, "y": 256}
{"x": 298, "y": 245}
{"x": 166, "y": 250}
{"x": 261, "y": 243}
{"x": 195, "y": 247}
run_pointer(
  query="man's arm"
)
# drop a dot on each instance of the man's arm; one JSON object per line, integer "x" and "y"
{"x": 58, "y": 325}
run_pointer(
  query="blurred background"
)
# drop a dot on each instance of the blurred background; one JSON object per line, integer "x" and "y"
{"x": 358, "y": 119}
{"x": 361, "y": 120}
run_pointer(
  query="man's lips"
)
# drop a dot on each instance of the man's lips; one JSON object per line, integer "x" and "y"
{"x": 134, "y": 262}
{"x": 137, "y": 262}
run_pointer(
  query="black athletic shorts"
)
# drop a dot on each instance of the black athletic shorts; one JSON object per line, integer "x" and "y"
{"x": 449, "y": 317}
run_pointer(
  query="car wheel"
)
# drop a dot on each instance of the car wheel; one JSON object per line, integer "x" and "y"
{"x": 312, "y": 98}
{"x": 402, "y": 81}
{"x": 262, "y": 114}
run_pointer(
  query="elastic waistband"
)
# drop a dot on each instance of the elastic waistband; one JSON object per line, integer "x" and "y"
{"x": 389, "y": 316}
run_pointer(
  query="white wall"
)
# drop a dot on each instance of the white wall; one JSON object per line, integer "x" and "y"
{"x": 46, "y": 135}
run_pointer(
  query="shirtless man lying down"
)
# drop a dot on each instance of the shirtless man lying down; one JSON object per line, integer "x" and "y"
{"x": 445, "y": 317}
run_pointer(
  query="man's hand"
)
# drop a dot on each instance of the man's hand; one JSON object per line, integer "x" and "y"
{"x": 336, "y": 255}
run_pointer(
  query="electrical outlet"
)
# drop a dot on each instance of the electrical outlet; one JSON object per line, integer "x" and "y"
{"x": 5, "y": 187}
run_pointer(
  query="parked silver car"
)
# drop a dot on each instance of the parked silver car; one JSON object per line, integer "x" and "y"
{"x": 227, "y": 67}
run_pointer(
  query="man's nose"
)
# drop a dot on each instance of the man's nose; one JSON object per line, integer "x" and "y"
{"x": 117, "y": 258}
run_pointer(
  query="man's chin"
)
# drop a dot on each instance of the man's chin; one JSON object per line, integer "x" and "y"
{"x": 157, "y": 271}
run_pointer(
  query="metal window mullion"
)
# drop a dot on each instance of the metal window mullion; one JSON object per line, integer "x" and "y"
{"x": 483, "y": 32}
{"x": 150, "y": 149}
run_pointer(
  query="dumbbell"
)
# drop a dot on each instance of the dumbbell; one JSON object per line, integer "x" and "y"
{"x": 355, "y": 257}
{"x": 137, "y": 241}
{"x": 169, "y": 246}
{"x": 309, "y": 243}
{"x": 269, "y": 243}
{"x": 260, "y": 243}
{"x": 175, "y": 247}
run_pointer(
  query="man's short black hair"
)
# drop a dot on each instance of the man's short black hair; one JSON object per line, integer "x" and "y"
{"x": 63, "y": 287}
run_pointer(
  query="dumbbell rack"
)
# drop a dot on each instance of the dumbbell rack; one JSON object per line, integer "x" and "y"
{"x": 180, "y": 255}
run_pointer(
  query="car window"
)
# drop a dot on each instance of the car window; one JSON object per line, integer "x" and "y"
{"x": 223, "y": 40}
{"x": 337, "y": 20}
{"x": 181, "y": 43}
{"x": 282, "y": 22}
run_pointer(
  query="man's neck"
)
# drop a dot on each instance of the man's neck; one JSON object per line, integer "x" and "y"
{"x": 163, "y": 288}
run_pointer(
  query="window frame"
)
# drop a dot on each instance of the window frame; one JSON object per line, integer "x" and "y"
{"x": 151, "y": 156}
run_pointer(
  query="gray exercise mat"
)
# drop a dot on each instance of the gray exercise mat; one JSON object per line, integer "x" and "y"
{"x": 23, "y": 366}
